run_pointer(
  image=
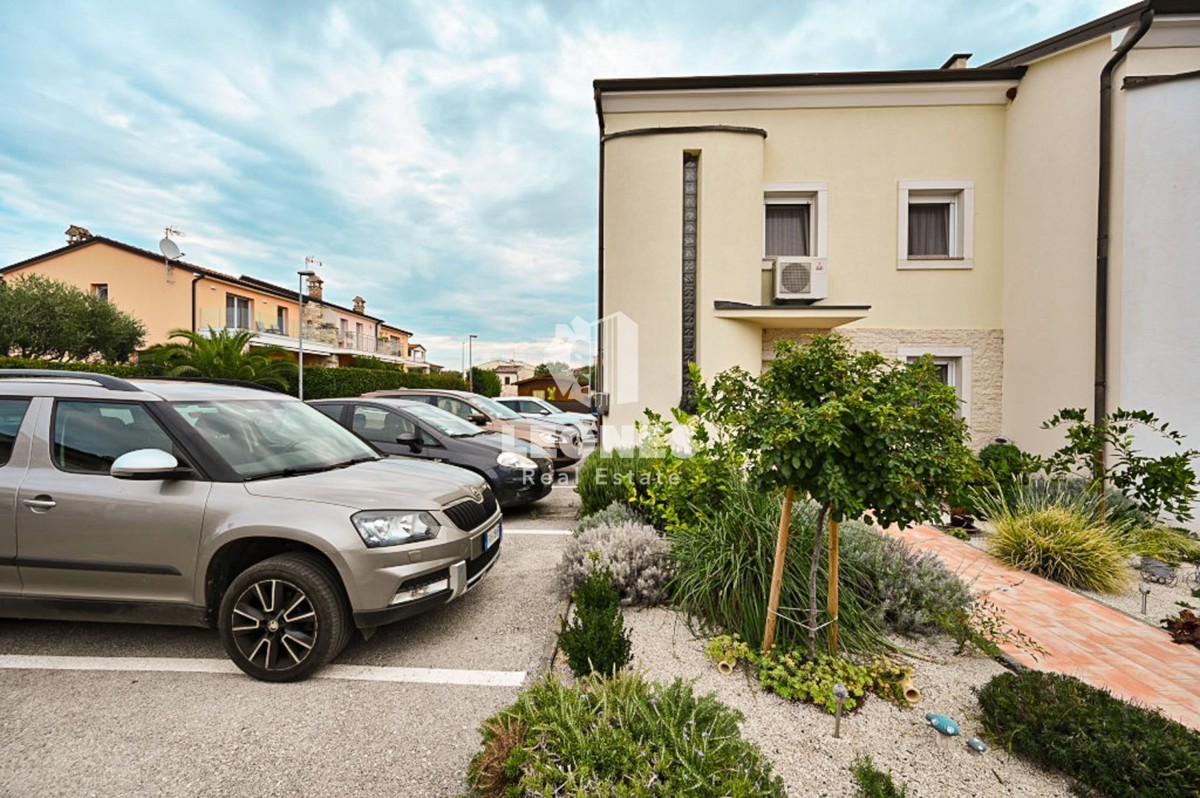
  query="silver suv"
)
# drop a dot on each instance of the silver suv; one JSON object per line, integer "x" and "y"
{"x": 198, "y": 503}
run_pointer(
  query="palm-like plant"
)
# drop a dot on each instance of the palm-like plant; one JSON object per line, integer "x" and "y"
{"x": 221, "y": 354}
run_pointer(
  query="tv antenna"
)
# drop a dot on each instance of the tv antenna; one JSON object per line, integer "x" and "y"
{"x": 170, "y": 250}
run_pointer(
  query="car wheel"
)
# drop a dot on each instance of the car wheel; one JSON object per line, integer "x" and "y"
{"x": 283, "y": 618}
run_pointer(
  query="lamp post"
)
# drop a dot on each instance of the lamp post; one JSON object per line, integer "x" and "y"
{"x": 471, "y": 362}
{"x": 308, "y": 261}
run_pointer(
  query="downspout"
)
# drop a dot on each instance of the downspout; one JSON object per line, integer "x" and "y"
{"x": 598, "y": 373}
{"x": 195, "y": 279}
{"x": 1103, "y": 214}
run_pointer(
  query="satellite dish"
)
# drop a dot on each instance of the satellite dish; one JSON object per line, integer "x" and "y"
{"x": 169, "y": 250}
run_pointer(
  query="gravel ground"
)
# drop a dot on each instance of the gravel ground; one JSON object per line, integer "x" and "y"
{"x": 1161, "y": 602}
{"x": 798, "y": 738}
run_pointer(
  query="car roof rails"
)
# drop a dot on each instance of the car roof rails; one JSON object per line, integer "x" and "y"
{"x": 106, "y": 380}
{"x": 218, "y": 381}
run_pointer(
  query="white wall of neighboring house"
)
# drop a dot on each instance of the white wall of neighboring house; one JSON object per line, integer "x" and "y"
{"x": 1160, "y": 346}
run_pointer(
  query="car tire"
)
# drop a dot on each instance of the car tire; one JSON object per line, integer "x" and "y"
{"x": 283, "y": 618}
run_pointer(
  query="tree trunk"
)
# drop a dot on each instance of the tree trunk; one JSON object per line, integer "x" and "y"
{"x": 785, "y": 521}
{"x": 812, "y": 581}
{"x": 831, "y": 599}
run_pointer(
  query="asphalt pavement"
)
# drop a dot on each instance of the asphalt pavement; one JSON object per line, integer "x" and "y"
{"x": 396, "y": 715}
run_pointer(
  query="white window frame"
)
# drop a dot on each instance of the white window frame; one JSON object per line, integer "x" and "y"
{"x": 242, "y": 306}
{"x": 958, "y": 359}
{"x": 816, "y": 197}
{"x": 960, "y": 194}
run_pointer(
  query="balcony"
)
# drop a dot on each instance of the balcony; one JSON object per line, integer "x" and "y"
{"x": 325, "y": 339}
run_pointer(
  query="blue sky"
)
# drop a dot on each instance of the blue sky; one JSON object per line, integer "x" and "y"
{"x": 438, "y": 157}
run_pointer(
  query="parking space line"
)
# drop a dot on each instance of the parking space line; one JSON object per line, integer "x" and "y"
{"x": 510, "y": 531}
{"x": 366, "y": 673}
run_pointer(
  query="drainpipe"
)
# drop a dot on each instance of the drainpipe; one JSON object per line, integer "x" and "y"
{"x": 598, "y": 373}
{"x": 195, "y": 279}
{"x": 1103, "y": 214}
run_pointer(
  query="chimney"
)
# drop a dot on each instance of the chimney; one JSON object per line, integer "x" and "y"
{"x": 360, "y": 305}
{"x": 956, "y": 61}
{"x": 75, "y": 234}
{"x": 315, "y": 292}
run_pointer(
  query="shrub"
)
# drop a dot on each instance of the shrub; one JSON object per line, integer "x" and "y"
{"x": 873, "y": 782}
{"x": 123, "y": 371}
{"x": 1008, "y": 467}
{"x": 791, "y": 676}
{"x": 596, "y": 641}
{"x": 1161, "y": 542}
{"x": 1063, "y": 545}
{"x": 604, "y": 477}
{"x": 331, "y": 383}
{"x": 615, "y": 513}
{"x": 1116, "y": 748}
{"x": 620, "y": 736}
{"x": 635, "y": 556}
{"x": 723, "y": 572}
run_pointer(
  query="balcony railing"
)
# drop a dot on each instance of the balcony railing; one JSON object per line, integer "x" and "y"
{"x": 271, "y": 331}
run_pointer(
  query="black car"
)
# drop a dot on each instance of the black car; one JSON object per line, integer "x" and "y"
{"x": 518, "y": 472}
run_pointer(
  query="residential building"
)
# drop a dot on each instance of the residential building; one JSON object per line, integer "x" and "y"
{"x": 509, "y": 372}
{"x": 168, "y": 295}
{"x": 954, "y": 212}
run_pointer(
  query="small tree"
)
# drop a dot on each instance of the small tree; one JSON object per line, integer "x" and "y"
{"x": 551, "y": 368}
{"x": 859, "y": 433}
{"x": 1156, "y": 485}
{"x": 222, "y": 354}
{"x": 42, "y": 318}
{"x": 485, "y": 382}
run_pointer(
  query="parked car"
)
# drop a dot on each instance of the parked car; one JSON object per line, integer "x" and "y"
{"x": 217, "y": 505}
{"x": 561, "y": 441}
{"x": 534, "y": 407}
{"x": 518, "y": 472}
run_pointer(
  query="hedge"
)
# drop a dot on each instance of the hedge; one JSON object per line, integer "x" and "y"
{"x": 319, "y": 382}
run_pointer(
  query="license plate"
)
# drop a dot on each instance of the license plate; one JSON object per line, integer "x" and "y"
{"x": 491, "y": 537}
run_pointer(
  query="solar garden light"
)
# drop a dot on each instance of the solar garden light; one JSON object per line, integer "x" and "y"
{"x": 1144, "y": 589}
{"x": 840, "y": 693}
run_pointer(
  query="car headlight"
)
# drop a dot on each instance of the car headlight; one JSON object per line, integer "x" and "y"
{"x": 394, "y": 527}
{"x": 514, "y": 460}
{"x": 549, "y": 437}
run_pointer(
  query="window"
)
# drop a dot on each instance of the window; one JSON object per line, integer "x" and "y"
{"x": 455, "y": 406}
{"x": 358, "y": 335}
{"x": 935, "y": 222}
{"x": 954, "y": 367}
{"x": 237, "y": 312}
{"x": 333, "y": 411}
{"x": 100, "y": 291}
{"x": 89, "y": 436}
{"x": 381, "y": 426}
{"x": 281, "y": 319}
{"x": 12, "y": 411}
{"x": 794, "y": 220}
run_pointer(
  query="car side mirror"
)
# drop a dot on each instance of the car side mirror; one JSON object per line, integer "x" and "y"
{"x": 146, "y": 464}
{"x": 478, "y": 418}
{"x": 409, "y": 439}
{"x": 544, "y": 412}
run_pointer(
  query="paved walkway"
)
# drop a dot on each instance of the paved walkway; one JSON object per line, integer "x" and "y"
{"x": 1086, "y": 639}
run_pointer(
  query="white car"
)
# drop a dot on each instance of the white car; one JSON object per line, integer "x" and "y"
{"x": 539, "y": 408}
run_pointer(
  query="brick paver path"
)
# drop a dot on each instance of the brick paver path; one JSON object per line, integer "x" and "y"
{"x": 1086, "y": 639}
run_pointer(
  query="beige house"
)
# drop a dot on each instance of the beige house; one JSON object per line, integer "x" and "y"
{"x": 172, "y": 295}
{"x": 509, "y": 372}
{"x": 948, "y": 211}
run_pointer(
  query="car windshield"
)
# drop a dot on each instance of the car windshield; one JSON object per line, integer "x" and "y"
{"x": 542, "y": 403}
{"x": 495, "y": 408}
{"x": 264, "y": 438}
{"x": 445, "y": 422}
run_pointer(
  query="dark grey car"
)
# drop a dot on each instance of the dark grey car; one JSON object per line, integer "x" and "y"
{"x": 214, "y": 505}
{"x": 517, "y": 471}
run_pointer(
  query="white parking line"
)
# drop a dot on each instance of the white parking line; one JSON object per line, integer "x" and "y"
{"x": 510, "y": 531}
{"x": 362, "y": 673}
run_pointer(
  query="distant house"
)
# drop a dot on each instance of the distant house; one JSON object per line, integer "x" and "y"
{"x": 556, "y": 390}
{"x": 167, "y": 296}
{"x": 510, "y": 372}
{"x": 1030, "y": 223}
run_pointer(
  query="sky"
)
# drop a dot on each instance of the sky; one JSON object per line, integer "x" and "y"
{"x": 439, "y": 158}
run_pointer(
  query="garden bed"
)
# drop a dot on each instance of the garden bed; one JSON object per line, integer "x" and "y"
{"x": 798, "y": 738}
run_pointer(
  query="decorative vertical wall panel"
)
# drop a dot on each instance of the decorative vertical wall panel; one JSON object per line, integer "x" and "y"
{"x": 690, "y": 228}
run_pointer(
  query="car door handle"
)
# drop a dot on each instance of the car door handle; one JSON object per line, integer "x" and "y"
{"x": 40, "y": 504}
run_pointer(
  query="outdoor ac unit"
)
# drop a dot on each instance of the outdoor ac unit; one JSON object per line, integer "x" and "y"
{"x": 801, "y": 278}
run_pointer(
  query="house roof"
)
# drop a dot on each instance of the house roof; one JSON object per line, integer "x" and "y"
{"x": 1088, "y": 31}
{"x": 797, "y": 79}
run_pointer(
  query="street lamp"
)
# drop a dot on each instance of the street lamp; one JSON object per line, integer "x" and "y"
{"x": 471, "y": 362}
{"x": 308, "y": 261}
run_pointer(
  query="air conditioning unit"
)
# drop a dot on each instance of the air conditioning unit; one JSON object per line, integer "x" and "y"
{"x": 801, "y": 278}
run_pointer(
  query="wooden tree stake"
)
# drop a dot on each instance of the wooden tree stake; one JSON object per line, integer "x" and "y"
{"x": 785, "y": 520}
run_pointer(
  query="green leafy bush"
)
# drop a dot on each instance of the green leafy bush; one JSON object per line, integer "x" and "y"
{"x": 613, "y": 514}
{"x": 619, "y": 737}
{"x": 634, "y": 554}
{"x": 115, "y": 370}
{"x": 372, "y": 363}
{"x": 723, "y": 572}
{"x": 1063, "y": 545}
{"x": 873, "y": 782}
{"x": 604, "y": 478}
{"x": 795, "y": 678}
{"x": 331, "y": 383}
{"x": 595, "y": 641}
{"x": 1008, "y": 467}
{"x": 1118, "y": 749}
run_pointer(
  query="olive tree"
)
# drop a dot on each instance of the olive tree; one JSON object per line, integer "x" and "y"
{"x": 864, "y": 436}
{"x": 47, "y": 319}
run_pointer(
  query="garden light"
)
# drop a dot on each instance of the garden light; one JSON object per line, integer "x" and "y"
{"x": 840, "y": 693}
